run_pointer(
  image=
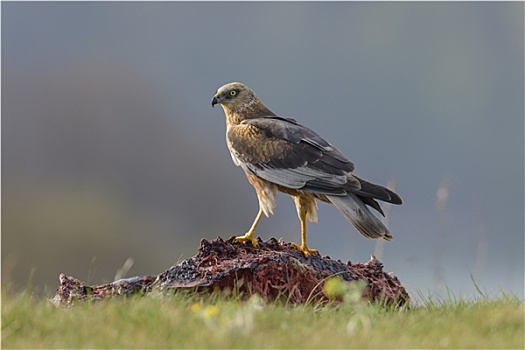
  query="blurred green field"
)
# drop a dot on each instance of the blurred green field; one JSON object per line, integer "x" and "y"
{"x": 189, "y": 321}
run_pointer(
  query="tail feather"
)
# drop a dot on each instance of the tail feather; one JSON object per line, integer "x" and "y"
{"x": 355, "y": 211}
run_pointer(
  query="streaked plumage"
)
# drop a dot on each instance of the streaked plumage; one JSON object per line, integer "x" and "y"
{"x": 279, "y": 154}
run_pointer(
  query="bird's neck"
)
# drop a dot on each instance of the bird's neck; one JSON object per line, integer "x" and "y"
{"x": 253, "y": 108}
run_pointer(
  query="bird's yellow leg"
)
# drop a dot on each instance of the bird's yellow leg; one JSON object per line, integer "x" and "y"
{"x": 303, "y": 247}
{"x": 250, "y": 235}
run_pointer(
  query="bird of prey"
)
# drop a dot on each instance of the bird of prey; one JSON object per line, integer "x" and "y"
{"x": 279, "y": 154}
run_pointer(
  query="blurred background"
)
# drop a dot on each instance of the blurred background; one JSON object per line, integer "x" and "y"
{"x": 111, "y": 150}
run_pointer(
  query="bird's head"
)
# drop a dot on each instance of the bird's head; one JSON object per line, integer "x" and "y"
{"x": 239, "y": 102}
{"x": 232, "y": 96}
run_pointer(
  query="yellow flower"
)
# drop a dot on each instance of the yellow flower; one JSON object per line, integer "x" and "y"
{"x": 196, "y": 307}
{"x": 335, "y": 287}
{"x": 210, "y": 311}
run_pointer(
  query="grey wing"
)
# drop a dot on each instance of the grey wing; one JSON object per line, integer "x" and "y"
{"x": 286, "y": 153}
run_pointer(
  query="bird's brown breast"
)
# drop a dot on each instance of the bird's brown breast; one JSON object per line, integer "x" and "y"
{"x": 253, "y": 146}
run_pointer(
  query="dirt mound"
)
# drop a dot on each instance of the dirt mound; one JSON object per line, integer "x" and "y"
{"x": 273, "y": 269}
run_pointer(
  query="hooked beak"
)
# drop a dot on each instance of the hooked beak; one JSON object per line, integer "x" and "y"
{"x": 214, "y": 101}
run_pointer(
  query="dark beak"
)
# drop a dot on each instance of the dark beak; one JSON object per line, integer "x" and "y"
{"x": 214, "y": 101}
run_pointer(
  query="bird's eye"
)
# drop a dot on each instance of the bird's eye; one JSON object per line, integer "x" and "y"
{"x": 233, "y": 93}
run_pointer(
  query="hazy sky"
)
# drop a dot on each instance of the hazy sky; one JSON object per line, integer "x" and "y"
{"x": 111, "y": 148}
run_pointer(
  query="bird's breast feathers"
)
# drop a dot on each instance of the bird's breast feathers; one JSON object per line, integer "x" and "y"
{"x": 249, "y": 144}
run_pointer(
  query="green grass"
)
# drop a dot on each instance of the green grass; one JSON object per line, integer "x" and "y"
{"x": 185, "y": 321}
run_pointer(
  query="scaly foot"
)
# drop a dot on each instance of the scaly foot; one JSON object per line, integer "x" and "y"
{"x": 304, "y": 249}
{"x": 250, "y": 236}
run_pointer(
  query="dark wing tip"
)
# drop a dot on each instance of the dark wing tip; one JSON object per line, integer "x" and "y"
{"x": 394, "y": 198}
{"x": 371, "y": 190}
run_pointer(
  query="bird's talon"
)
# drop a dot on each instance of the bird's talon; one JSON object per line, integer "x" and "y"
{"x": 247, "y": 237}
{"x": 304, "y": 249}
